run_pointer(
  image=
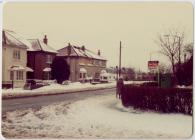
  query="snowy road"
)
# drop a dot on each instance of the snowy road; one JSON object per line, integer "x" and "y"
{"x": 37, "y": 102}
{"x": 96, "y": 117}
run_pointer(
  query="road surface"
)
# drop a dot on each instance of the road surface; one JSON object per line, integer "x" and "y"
{"x": 96, "y": 114}
{"x": 39, "y": 101}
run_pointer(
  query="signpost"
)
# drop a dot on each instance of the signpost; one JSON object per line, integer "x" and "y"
{"x": 154, "y": 66}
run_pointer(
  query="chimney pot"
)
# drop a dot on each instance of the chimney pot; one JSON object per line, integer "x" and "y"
{"x": 83, "y": 48}
{"x": 99, "y": 52}
{"x": 45, "y": 40}
{"x": 4, "y": 37}
{"x": 69, "y": 48}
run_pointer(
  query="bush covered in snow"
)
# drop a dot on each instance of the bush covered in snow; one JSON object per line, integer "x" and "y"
{"x": 158, "y": 99}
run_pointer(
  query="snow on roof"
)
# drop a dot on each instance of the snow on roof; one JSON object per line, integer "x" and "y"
{"x": 38, "y": 45}
{"x": 103, "y": 71}
{"x": 78, "y": 51}
{"x": 105, "y": 74}
{"x": 93, "y": 55}
{"x": 11, "y": 38}
{"x": 83, "y": 70}
{"x": 34, "y": 45}
{"x": 47, "y": 69}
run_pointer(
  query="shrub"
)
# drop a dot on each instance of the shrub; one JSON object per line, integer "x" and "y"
{"x": 158, "y": 99}
{"x": 60, "y": 70}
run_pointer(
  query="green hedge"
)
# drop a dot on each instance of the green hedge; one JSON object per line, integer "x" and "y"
{"x": 158, "y": 99}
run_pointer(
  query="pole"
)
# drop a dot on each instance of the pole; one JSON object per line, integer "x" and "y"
{"x": 158, "y": 78}
{"x": 120, "y": 60}
{"x": 179, "y": 69}
{"x": 116, "y": 73}
{"x": 179, "y": 51}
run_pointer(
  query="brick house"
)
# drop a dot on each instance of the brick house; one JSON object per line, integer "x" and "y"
{"x": 14, "y": 59}
{"x": 39, "y": 57}
{"x": 84, "y": 64}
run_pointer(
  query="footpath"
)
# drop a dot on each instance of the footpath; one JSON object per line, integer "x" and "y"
{"x": 54, "y": 89}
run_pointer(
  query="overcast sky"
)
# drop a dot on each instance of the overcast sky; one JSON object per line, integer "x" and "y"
{"x": 102, "y": 26}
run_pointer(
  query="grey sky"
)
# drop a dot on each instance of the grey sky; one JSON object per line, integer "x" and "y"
{"x": 102, "y": 26}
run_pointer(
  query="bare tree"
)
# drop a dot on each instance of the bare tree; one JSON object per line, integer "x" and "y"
{"x": 163, "y": 68}
{"x": 171, "y": 44}
{"x": 188, "y": 51}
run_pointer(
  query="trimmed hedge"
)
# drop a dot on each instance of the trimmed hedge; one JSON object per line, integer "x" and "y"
{"x": 158, "y": 99}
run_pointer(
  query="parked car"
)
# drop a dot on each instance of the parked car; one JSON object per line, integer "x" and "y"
{"x": 95, "y": 81}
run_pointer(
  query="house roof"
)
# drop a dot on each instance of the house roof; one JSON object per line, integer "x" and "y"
{"x": 13, "y": 39}
{"x": 38, "y": 45}
{"x": 78, "y": 51}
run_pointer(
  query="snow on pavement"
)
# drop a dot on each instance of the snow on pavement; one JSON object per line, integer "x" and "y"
{"x": 58, "y": 88}
{"x": 54, "y": 89}
{"x": 98, "y": 117}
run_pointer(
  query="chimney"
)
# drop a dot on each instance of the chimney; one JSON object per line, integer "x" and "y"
{"x": 83, "y": 48}
{"x": 99, "y": 52}
{"x": 4, "y": 37}
{"x": 45, "y": 40}
{"x": 69, "y": 48}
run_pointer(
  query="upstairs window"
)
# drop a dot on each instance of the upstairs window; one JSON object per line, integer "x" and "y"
{"x": 97, "y": 62}
{"x": 48, "y": 59}
{"x": 16, "y": 54}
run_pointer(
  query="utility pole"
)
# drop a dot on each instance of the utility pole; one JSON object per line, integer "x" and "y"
{"x": 120, "y": 60}
{"x": 117, "y": 73}
{"x": 179, "y": 76}
{"x": 179, "y": 51}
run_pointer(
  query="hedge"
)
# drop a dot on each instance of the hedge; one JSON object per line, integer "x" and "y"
{"x": 158, "y": 99}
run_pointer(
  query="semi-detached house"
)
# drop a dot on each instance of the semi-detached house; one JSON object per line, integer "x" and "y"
{"x": 84, "y": 64}
{"x": 14, "y": 59}
{"x": 39, "y": 58}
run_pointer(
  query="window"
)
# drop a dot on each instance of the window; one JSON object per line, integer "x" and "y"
{"x": 84, "y": 75}
{"x": 16, "y": 54}
{"x": 105, "y": 78}
{"x": 46, "y": 75}
{"x": 11, "y": 75}
{"x": 19, "y": 75}
{"x": 100, "y": 63}
{"x": 103, "y": 63}
{"x": 48, "y": 59}
{"x": 96, "y": 62}
{"x": 80, "y": 75}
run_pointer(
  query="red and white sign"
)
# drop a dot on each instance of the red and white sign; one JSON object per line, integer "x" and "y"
{"x": 153, "y": 64}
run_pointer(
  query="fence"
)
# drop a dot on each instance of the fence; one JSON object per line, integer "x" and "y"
{"x": 158, "y": 99}
{"x": 7, "y": 84}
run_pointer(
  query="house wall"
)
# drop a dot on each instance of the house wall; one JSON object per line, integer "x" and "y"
{"x": 74, "y": 69}
{"x": 80, "y": 62}
{"x": 38, "y": 61}
{"x": 8, "y": 61}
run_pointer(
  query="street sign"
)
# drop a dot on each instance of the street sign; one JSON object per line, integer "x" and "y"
{"x": 153, "y": 64}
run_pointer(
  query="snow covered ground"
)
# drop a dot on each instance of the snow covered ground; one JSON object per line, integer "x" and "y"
{"x": 58, "y": 88}
{"x": 98, "y": 117}
{"x": 54, "y": 89}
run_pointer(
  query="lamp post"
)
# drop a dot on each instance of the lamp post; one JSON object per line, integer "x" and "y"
{"x": 120, "y": 59}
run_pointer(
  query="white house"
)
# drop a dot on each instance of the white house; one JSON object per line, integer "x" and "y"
{"x": 14, "y": 59}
